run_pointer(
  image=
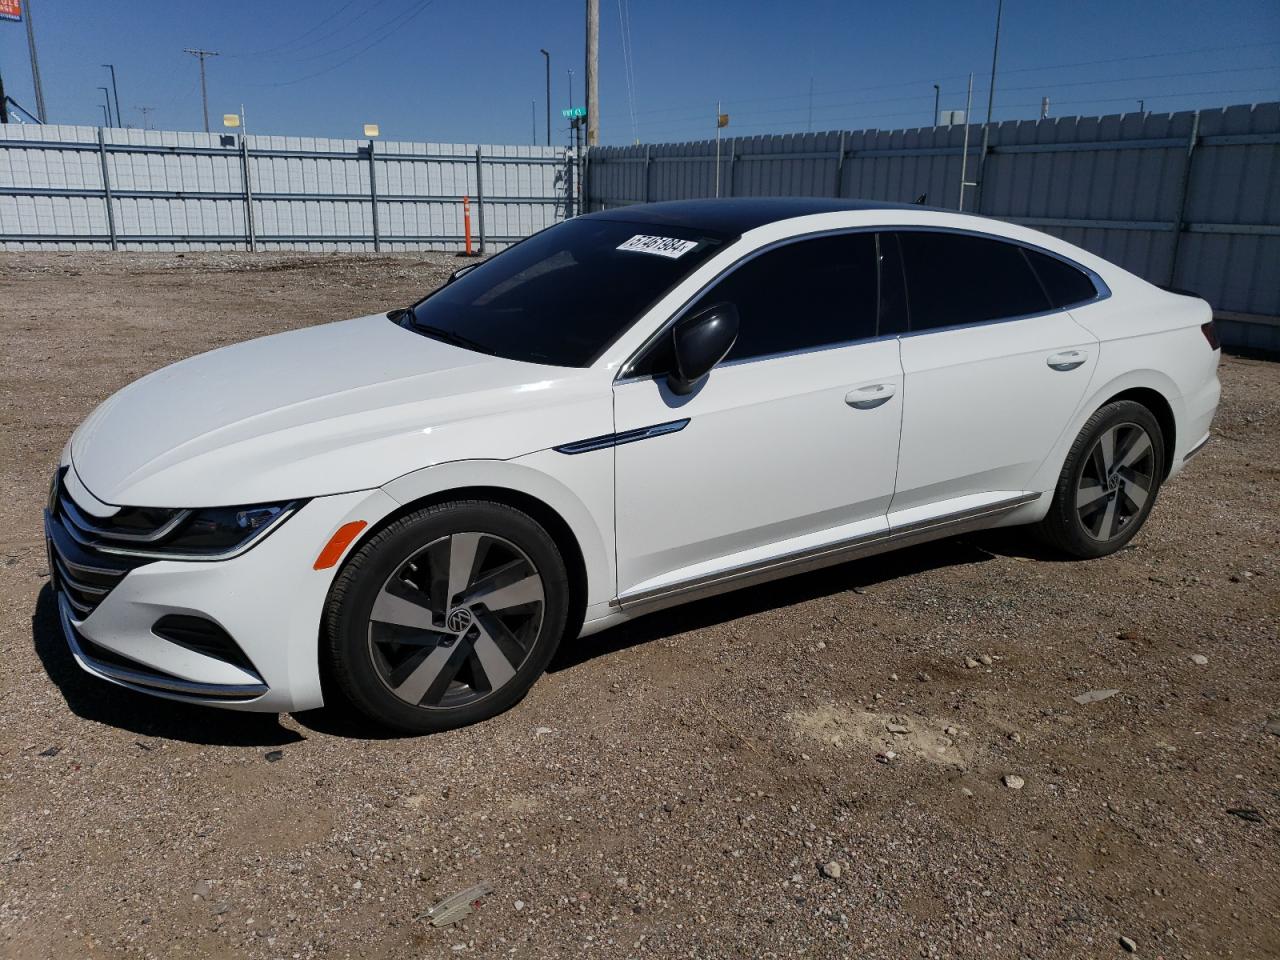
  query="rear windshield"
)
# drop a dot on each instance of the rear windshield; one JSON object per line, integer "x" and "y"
{"x": 564, "y": 295}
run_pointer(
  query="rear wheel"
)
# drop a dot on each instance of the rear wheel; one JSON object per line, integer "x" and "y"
{"x": 1108, "y": 483}
{"x": 447, "y": 616}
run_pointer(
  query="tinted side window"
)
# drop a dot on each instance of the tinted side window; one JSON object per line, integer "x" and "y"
{"x": 812, "y": 293}
{"x": 1064, "y": 283}
{"x": 955, "y": 278}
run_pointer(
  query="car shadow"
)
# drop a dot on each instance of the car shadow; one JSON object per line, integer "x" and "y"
{"x": 101, "y": 702}
{"x": 854, "y": 575}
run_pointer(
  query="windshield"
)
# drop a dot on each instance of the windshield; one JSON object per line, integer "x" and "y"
{"x": 564, "y": 295}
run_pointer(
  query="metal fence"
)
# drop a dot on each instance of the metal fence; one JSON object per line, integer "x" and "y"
{"x": 1187, "y": 199}
{"x": 81, "y": 188}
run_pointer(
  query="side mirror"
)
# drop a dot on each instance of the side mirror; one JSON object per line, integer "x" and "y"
{"x": 699, "y": 342}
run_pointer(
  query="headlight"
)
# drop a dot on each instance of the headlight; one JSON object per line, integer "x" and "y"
{"x": 223, "y": 529}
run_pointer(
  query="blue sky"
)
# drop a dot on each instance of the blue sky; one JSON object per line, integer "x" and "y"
{"x": 467, "y": 70}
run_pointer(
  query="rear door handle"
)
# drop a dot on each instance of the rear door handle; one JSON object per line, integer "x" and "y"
{"x": 1066, "y": 360}
{"x": 868, "y": 398}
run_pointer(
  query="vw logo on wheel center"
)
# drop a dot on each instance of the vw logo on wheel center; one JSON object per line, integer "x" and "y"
{"x": 459, "y": 620}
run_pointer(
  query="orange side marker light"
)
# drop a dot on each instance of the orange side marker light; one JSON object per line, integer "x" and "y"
{"x": 338, "y": 543}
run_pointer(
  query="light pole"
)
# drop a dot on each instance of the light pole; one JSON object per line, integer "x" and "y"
{"x": 548, "y": 59}
{"x": 986, "y": 127}
{"x": 35, "y": 65}
{"x": 106, "y": 95}
{"x": 115, "y": 91}
{"x": 937, "y": 93}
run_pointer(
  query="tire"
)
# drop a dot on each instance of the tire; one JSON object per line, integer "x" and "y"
{"x": 446, "y": 617}
{"x": 1099, "y": 504}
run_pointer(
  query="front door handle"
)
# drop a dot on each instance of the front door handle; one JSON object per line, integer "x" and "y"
{"x": 868, "y": 398}
{"x": 1066, "y": 360}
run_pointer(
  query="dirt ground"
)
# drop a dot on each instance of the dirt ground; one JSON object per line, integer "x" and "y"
{"x": 676, "y": 786}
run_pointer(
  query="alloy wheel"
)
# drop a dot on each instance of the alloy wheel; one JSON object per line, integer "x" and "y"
{"x": 456, "y": 620}
{"x": 1117, "y": 480}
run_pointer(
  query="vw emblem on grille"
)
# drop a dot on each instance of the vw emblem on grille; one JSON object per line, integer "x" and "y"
{"x": 459, "y": 620}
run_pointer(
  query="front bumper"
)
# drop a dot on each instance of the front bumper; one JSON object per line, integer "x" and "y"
{"x": 269, "y": 600}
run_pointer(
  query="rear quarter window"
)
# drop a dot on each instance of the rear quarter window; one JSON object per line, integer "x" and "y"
{"x": 1066, "y": 285}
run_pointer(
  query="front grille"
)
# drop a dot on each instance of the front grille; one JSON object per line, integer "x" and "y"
{"x": 83, "y": 574}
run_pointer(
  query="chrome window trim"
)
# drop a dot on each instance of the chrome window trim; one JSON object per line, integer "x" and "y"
{"x": 1101, "y": 289}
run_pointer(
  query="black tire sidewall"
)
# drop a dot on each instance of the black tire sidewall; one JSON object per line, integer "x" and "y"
{"x": 357, "y": 587}
{"x": 1068, "y": 529}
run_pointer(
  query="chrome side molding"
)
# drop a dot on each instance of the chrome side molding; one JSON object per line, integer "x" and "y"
{"x": 627, "y": 436}
{"x": 826, "y": 555}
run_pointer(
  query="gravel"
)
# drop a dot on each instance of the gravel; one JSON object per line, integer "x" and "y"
{"x": 651, "y": 797}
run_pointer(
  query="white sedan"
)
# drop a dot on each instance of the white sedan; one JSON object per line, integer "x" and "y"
{"x": 629, "y": 410}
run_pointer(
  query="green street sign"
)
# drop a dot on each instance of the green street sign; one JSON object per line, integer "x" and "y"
{"x": 573, "y": 113}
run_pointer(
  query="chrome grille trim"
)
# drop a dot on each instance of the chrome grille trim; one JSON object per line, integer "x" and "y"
{"x": 87, "y": 526}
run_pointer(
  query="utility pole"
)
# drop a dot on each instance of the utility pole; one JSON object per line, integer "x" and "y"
{"x": 991, "y": 97}
{"x": 593, "y": 68}
{"x": 35, "y": 66}
{"x": 106, "y": 95}
{"x": 548, "y": 59}
{"x": 937, "y": 94}
{"x": 116, "y": 92}
{"x": 146, "y": 122}
{"x": 204, "y": 91}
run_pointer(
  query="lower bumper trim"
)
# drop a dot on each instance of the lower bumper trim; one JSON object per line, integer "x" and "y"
{"x": 145, "y": 681}
{"x": 1198, "y": 447}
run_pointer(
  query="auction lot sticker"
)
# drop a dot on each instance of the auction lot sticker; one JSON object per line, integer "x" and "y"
{"x": 668, "y": 247}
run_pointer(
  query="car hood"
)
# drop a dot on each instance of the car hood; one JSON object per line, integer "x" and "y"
{"x": 322, "y": 410}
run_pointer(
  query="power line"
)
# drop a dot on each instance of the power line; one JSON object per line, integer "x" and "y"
{"x": 392, "y": 28}
{"x": 926, "y": 96}
{"x": 306, "y": 33}
{"x": 928, "y": 81}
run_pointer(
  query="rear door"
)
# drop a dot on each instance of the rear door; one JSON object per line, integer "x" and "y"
{"x": 993, "y": 370}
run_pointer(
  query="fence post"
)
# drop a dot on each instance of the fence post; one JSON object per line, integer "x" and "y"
{"x": 569, "y": 159}
{"x": 373, "y": 200}
{"x": 1184, "y": 187}
{"x": 840, "y": 167}
{"x": 480, "y": 199}
{"x": 250, "y": 234}
{"x": 106, "y": 190}
{"x": 648, "y": 159}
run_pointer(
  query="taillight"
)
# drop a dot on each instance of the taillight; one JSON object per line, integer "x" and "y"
{"x": 1211, "y": 334}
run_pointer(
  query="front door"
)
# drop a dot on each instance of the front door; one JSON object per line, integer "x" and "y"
{"x": 791, "y": 441}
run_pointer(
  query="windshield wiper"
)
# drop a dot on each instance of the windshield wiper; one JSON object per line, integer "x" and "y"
{"x": 447, "y": 336}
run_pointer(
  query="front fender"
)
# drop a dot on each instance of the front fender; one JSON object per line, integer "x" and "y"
{"x": 578, "y": 488}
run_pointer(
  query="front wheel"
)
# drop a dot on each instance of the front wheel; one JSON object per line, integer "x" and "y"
{"x": 1108, "y": 483}
{"x": 447, "y": 616}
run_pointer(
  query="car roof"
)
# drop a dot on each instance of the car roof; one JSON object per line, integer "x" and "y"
{"x": 737, "y": 215}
